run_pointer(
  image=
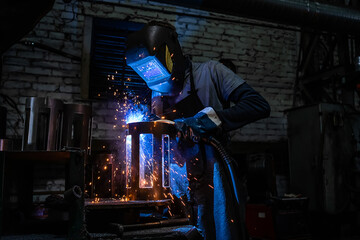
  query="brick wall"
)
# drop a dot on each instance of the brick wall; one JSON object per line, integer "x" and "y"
{"x": 265, "y": 57}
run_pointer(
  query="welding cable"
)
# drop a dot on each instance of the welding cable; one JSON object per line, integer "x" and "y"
{"x": 228, "y": 164}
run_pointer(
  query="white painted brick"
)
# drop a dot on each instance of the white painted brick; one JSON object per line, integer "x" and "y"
{"x": 16, "y": 84}
{"x": 65, "y": 73}
{"x": 63, "y": 96}
{"x": 48, "y": 19}
{"x": 232, "y": 32}
{"x": 113, "y": 1}
{"x": 253, "y": 49}
{"x": 193, "y": 34}
{"x": 187, "y": 19}
{"x": 35, "y": 54}
{"x": 44, "y": 87}
{"x": 128, "y": 11}
{"x": 112, "y": 134}
{"x": 106, "y": 112}
{"x": 70, "y": 89}
{"x": 111, "y": 120}
{"x": 68, "y": 15}
{"x": 100, "y": 134}
{"x": 214, "y": 30}
{"x": 37, "y": 71}
{"x": 22, "y": 77}
{"x": 10, "y": 92}
{"x": 30, "y": 93}
{"x": 41, "y": 33}
{"x": 107, "y": 8}
{"x": 73, "y": 81}
{"x": 59, "y": 6}
{"x": 188, "y": 39}
{"x": 54, "y": 43}
{"x": 73, "y": 51}
{"x": 10, "y": 52}
{"x": 80, "y": 18}
{"x": 112, "y": 105}
{"x": 44, "y": 64}
{"x": 208, "y": 41}
{"x": 50, "y": 79}
{"x": 46, "y": 27}
{"x": 200, "y": 59}
{"x": 230, "y": 56}
{"x": 69, "y": 8}
{"x": 150, "y": 14}
{"x": 56, "y": 35}
{"x": 22, "y": 100}
{"x": 105, "y": 126}
{"x": 211, "y": 54}
{"x": 73, "y": 26}
{"x": 69, "y": 66}
{"x": 213, "y": 36}
{"x": 196, "y": 28}
{"x": 188, "y": 45}
{"x": 16, "y": 60}
{"x": 56, "y": 57}
{"x": 202, "y": 47}
{"x": 13, "y": 68}
{"x": 192, "y": 52}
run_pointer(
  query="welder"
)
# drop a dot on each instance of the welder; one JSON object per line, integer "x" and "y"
{"x": 197, "y": 97}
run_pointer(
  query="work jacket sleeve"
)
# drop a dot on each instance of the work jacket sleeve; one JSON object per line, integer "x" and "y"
{"x": 249, "y": 106}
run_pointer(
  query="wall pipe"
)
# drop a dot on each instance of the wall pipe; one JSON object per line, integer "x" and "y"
{"x": 302, "y": 13}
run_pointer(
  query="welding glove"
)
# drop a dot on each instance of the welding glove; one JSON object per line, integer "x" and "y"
{"x": 200, "y": 125}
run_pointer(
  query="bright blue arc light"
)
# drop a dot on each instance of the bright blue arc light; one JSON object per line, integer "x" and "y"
{"x": 146, "y": 160}
{"x": 134, "y": 116}
{"x": 137, "y": 113}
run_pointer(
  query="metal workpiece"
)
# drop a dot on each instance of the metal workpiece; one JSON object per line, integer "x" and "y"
{"x": 148, "y": 156}
{"x": 43, "y": 120}
{"x": 76, "y": 131}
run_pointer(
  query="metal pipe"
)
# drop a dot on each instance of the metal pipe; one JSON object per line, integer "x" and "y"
{"x": 119, "y": 229}
{"x": 303, "y": 13}
{"x": 160, "y": 223}
{"x": 70, "y": 197}
{"x": 73, "y": 194}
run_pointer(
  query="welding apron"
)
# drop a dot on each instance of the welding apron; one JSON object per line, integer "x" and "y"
{"x": 185, "y": 108}
{"x": 207, "y": 192}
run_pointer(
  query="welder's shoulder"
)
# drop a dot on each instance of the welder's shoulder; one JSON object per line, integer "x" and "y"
{"x": 209, "y": 66}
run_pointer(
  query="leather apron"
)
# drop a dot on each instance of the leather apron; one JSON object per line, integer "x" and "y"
{"x": 187, "y": 107}
{"x": 195, "y": 154}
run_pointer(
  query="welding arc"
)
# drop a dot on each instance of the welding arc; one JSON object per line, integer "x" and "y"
{"x": 233, "y": 186}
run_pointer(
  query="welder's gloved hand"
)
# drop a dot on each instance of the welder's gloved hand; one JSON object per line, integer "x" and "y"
{"x": 202, "y": 124}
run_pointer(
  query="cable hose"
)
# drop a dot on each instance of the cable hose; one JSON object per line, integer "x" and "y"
{"x": 228, "y": 164}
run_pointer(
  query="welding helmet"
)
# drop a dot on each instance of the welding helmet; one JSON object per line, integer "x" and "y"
{"x": 154, "y": 53}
